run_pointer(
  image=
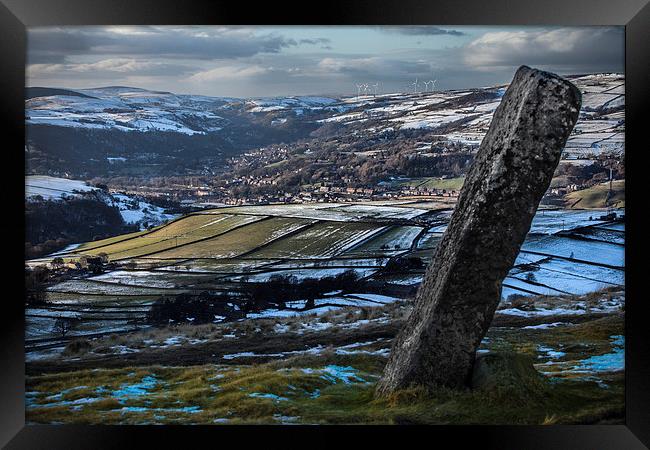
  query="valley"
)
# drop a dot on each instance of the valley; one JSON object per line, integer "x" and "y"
{"x": 253, "y": 259}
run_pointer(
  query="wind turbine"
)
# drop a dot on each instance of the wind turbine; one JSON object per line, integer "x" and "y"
{"x": 415, "y": 86}
{"x": 375, "y": 87}
{"x": 359, "y": 86}
{"x": 433, "y": 84}
{"x": 426, "y": 85}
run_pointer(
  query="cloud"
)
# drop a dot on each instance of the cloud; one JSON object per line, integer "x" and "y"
{"x": 108, "y": 69}
{"x": 422, "y": 30}
{"x": 228, "y": 73}
{"x": 48, "y": 45}
{"x": 254, "y": 61}
{"x": 376, "y": 67}
{"x": 568, "y": 48}
{"x": 315, "y": 41}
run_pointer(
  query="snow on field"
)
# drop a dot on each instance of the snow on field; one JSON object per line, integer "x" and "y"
{"x": 591, "y": 251}
{"x": 569, "y": 309}
{"x": 384, "y": 212}
{"x": 577, "y": 278}
{"x": 602, "y": 234}
{"x": 40, "y": 312}
{"x": 302, "y": 274}
{"x": 608, "y": 362}
{"x": 340, "y": 242}
{"x": 132, "y": 209}
{"x": 343, "y": 262}
{"x": 106, "y": 288}
{"x": 126, "y": 109}
{"x": 325, "y": 304}
{"x": 550, "y": 221}
{"x": 44, "y": 327}
{"x": 52, "y": 188}
{"x": 395, "y": 240}
{"x": 521, "y": 286}
{"x": 144, "y": 278}
{"x": 138, "y": 211}
{"x": 318, "y": 211}
{"x": 376, "y": 298}
{"x": 67, "y": 249}
{"x": 292, "y": 103}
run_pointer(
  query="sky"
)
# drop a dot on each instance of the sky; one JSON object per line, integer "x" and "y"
{"x": 265, "y": 61}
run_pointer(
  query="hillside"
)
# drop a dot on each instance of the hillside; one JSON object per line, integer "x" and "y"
{"x": 127, "y": 131}
{"x": 61, "y": 211}
{"x": 597, "y": 196}
{"x": 384, "y": 246}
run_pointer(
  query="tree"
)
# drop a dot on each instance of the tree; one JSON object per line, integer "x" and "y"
{"x": 35, "y": 283}
{"x": 57, "y": 262}
{"x": 62, "y": 326}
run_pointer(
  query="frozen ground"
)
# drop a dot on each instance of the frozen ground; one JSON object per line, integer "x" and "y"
{"x": 52, "y": 188}
{"x": 133, "y": 210}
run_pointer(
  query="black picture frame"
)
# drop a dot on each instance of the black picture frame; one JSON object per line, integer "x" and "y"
{"x": 16, "y": 15}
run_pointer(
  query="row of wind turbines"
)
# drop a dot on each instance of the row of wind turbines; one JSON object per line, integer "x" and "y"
{"x": 367, "y": 88}
{"x": 428, "y": 83}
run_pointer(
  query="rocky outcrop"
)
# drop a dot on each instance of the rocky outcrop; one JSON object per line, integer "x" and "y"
{"x": 462, "y": 287}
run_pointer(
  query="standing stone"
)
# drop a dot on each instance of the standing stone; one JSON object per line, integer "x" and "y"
{"x": 462, "y": 286}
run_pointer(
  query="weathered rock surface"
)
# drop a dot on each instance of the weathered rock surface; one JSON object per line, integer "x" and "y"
{"x": 462, "y": 287}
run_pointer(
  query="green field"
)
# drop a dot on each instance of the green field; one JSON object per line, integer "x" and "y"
{"x": 180, "y": 232}
{"x": 105, "y": 242}
{"x": 450, "y": 184}
{"x": 397, "y": 239}
{"x": 596, "y": 196}
{"x": 199, "y": 242}
{"x": 324, "y": 239}
{"x": 238, "y": 241}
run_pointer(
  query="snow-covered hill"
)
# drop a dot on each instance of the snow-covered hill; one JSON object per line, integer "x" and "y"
{"x": 601, "y": 126}
{"x": 134, "y": 210}
{"x": 168, "y": 133}
{"x": 127, "y": 109}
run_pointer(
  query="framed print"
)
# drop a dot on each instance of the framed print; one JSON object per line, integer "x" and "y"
{"x": 384, "y": 215}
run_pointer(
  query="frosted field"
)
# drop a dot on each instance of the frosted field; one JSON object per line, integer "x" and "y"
{"x": 590, "y": 251}
{"x": 379, "y": 212}
{"x": 137, "y": 211}
{"x": 239, "y": 241}
{"x": 342, "y": 262}
{"x": 90, "y": 287}
{"x": 324, "y": 240}
{"x": 551, "y": 221}
{"x": 52, "y": 188}
{"x": 565, "y": 253}
{"x": 574, "y": 278}
{"x": 152, "y": 279}
{"x": 302, "y": 274}
{"x": 331, "y": 211}
{"x": 393, "y": 241}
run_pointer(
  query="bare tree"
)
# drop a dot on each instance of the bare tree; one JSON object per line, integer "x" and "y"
{"x": 62, "y": 326}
